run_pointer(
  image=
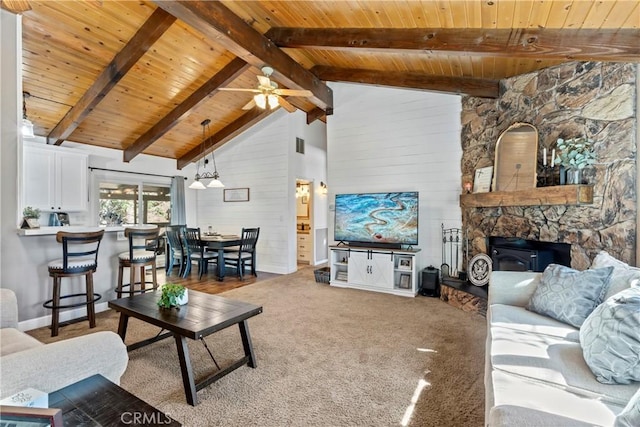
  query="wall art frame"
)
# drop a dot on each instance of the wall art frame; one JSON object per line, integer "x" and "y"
{"x": 236, "y": 194}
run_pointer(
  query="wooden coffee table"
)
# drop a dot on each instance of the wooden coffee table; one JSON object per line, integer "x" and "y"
{"x": 203, "y": 315}
{"x": 96, "y": 401}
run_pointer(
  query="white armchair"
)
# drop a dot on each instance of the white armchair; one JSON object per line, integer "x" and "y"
{"x": 27, "y": 363}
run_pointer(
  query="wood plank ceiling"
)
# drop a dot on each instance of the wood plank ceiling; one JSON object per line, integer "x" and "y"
{"x": 140, "y": 76}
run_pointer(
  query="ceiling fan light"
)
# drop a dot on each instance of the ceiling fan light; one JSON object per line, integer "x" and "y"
{"x": 197, "y": 185}
{"x": 261, "y": 100}
{"x": 27, "y": 128}
{"x": 273, "y": 101}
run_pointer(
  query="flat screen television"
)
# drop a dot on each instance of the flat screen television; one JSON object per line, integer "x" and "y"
{"x": 381, "y": 219}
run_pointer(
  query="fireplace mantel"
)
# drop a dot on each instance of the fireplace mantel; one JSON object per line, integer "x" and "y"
{"x": 539, "y": 196}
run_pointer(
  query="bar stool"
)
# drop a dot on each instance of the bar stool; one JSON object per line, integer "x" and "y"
{"x": 143, "y": 243}
{"x": 79, "y": 258}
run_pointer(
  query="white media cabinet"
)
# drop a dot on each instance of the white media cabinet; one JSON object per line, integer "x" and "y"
{"x": 392, "y": 271}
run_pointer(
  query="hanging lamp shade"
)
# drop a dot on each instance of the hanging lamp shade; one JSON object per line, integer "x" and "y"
{"x": 197, "y": 185}
{"x": 215, "y": 183}
{"x": 214, "y": 177}
{"x": 215, "y": 180}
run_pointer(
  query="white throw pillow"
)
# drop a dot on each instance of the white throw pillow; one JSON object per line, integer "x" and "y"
{"x": 624, "y": 276}
{"x": 610, "y": 338}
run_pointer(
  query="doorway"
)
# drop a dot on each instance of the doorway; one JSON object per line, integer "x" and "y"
{"x": 304, "y": 222}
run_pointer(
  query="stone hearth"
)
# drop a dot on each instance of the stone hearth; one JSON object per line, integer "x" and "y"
{"x": 464, "y": 296}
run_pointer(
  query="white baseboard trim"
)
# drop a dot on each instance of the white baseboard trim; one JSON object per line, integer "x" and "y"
{"x": 65, "y": 316}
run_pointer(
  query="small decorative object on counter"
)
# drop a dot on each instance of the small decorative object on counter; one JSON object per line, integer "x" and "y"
{"x": 30, "y": 217}
{"x": 173, "y": 296}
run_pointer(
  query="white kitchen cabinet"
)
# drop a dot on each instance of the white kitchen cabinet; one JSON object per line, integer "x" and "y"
{"x": 54, "y": 179}
{"x": 374, "y": 269}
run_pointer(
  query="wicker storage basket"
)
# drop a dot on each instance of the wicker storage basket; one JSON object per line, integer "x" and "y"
{"x": 322, "y": 275}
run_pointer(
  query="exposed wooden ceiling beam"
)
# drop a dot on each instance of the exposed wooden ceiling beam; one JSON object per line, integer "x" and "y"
{"x": 224, "y": 135}
{"x": 229, "y": 73}
{"x": 474, "y": 87}
{"x": 217, "y": 22}
{"x": 143, "y": 39}
{"x": 316, "y": 114}
{"x": 583, "y": 45}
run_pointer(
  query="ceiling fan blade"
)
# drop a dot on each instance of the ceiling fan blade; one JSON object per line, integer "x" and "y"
{"x": 16, "y": 6}
{"x": 239, "y": 89}
{"x": 286, "y": 104}
{"x": 249, "y": 105}
{"x": 264, "y": 81}
{"x": 293, "y": 92}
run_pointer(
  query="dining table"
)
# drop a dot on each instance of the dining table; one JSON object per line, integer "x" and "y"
{"x": 218, "y": 242}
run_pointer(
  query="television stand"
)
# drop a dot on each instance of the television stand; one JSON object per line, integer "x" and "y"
{"x": 392, "y": 271}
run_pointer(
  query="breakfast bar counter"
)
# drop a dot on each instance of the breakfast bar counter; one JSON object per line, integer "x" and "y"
{"x": 49, "y": 231}
{"x": 40, "y": 247}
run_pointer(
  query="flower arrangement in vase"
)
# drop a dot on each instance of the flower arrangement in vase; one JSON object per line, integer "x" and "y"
{"x": 575, "y": 154}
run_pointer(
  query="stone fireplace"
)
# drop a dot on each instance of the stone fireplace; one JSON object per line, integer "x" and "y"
{"x": 596, "y": 100}
{"x": 592, "y": 99}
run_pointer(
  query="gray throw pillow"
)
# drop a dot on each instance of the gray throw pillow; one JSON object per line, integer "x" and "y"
{"x": 569, "y": 295}
{"x": 630, "y": 416}
{"x": 610, "y": 339}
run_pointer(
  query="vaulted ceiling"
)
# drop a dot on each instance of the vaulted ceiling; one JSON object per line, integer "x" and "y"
{"x": 141, "y": 76}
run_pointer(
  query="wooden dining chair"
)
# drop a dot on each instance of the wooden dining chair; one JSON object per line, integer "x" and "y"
{"x": 195, "y": 251}
{"x": 176, "y": 252}
{"x": 79, "y": 258}
{"x": 245, "y": 254}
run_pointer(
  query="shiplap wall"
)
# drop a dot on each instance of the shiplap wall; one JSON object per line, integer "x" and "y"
{"x": 384, "y": 139}
{"x": 263, "y": 160}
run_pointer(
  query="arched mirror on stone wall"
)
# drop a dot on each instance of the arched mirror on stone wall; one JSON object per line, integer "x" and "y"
{"x": 516, "y": 158}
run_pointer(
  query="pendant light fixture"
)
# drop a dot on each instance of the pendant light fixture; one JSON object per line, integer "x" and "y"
{"x": 27, "y": 126}
{"x": 197, "y": 184}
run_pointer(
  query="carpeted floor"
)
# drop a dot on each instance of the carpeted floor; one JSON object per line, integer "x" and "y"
{"x": 326, "y": 357}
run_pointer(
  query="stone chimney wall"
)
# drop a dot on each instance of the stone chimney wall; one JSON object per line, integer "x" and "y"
{"x": 596, "y": 100}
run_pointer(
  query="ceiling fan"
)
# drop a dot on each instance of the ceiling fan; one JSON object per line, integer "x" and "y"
{"x": 267, "y": 93}
{"x": 16, "y": 6}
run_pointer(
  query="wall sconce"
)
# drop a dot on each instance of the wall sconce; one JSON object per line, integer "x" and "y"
{"x": 27, "y": 126}
{"x": 323, "y": 188}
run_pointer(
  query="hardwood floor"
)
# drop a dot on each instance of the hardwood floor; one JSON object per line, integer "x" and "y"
{"x": 209, "y": 282}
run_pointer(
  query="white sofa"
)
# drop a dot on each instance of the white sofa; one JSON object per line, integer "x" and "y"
{"x": 27, "y": 363}
{"x": 535, "y": 372}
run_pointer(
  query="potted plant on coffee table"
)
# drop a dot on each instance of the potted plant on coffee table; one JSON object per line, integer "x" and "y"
{"x": 173, "y": 295}
{"x": 574, "y": 154}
